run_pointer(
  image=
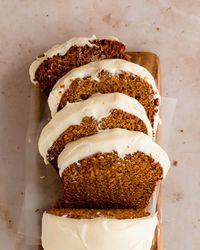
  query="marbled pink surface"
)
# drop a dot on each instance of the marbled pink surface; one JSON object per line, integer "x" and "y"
{"x": 169, "y": 28}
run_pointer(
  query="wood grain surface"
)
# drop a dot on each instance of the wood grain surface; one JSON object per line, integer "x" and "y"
{"x": 151, "y": 62}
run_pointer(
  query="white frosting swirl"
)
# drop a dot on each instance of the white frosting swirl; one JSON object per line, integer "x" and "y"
{"x": 61, "y": 49}
{"x": 97, "y": 234}
{"x": 119, "y": 140}
{"x": 113, "y": 66}
{"x": 98, "y": 106}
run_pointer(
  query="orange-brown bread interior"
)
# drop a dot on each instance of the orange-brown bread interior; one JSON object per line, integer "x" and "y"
{"x": 106, "y": 181}
{"x": 96, "y": 213}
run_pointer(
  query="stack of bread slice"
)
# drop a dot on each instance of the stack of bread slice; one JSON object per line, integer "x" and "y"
{"x": 101, "y": 141}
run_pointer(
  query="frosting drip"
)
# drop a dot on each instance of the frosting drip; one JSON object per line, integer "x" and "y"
{"x": 98, "y": 107}
{"x": 119, "y": 140}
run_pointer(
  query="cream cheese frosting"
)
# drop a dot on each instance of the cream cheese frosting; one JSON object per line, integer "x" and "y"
{"x": 119, "y": 140}
{"x": 61, "y": 49}
{"x": 97, "y": 234}
{"x": 113, "y": 66}
{"x": 98, "y": 107}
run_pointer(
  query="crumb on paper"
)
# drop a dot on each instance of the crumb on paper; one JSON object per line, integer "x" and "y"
{"x": 177, "y": 197}
{"x": 10, "y": 222}
{"x": 175, "y": 163}
{"x": 181, "y": 130}
{"x": 158, "y": 28}
{"x": 6, "y": 216}
{"x": 107, "y": 18}
{"x": 41, "y": 56}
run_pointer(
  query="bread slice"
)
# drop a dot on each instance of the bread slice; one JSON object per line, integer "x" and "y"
{"x": 117, "y": 168}
{"x": 48, "y": 68}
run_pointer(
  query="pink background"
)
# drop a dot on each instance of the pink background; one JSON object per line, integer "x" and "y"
{"x": 169, "y": 28}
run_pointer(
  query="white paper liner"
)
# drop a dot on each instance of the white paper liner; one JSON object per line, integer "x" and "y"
{"x": 43, "y": 187}
{"x": 168, "y": 106}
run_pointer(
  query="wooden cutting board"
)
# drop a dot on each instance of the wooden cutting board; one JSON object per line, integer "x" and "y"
{"x": 151, "y": 62}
